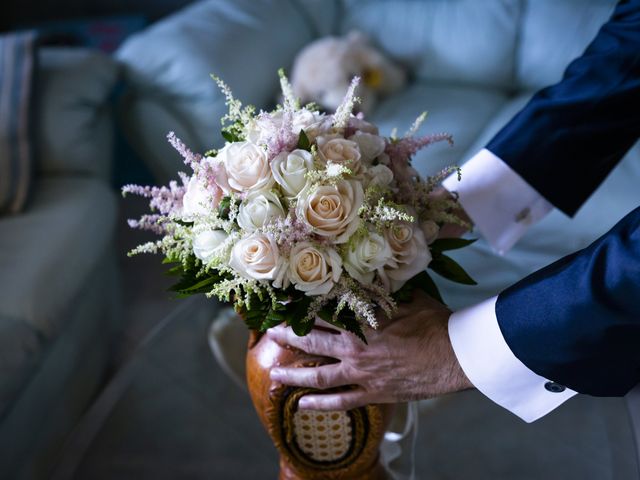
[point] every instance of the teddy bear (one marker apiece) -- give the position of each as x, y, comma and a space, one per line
323, 70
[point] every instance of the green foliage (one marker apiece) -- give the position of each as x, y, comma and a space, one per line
303, 141
422, 281
230, 134
444, 244
448, 268
345, 320
224, 208
190, 282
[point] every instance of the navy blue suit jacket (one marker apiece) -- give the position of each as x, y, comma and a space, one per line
577, 321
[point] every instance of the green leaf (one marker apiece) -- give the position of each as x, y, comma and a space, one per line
303, 141
224, 207
450, 269
426, 283
444, 244
229, 136
296, 314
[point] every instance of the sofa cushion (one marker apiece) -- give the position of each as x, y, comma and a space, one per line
74, 129
552, 34
458, 110
46, 255
46, 251
168, 69
554, 236
459, 41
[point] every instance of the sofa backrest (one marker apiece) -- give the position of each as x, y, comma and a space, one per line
552, 33
168, 69
516, 44
503, 45
74, 128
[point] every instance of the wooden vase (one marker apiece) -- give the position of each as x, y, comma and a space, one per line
313, 445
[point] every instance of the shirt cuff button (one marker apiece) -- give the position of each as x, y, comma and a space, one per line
554, 387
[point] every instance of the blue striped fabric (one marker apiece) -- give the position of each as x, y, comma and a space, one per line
16, 78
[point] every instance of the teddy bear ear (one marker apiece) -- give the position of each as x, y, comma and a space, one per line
357, 38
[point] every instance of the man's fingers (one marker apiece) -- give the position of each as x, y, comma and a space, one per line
325, 376
316, 342
334, 401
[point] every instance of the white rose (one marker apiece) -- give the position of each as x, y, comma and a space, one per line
197, 199
313, 270
258, 209
319, 128
256, 257
207, 243
332, 210
247, 166
370, 146
364, 257
303, 119
289, 171
379, 175
410, 254
265, 126
341, 151
360, 125
430, 229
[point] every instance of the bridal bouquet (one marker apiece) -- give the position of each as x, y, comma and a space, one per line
301, 215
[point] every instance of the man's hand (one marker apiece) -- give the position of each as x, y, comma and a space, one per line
408, 358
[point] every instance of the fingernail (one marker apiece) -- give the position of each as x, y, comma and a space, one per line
304, 404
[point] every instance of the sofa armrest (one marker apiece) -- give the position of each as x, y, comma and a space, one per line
168, 67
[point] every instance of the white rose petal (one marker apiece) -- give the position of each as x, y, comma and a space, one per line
258, 209
256, 257
430, 230
379, 175
332, 210
364, 257
410, 254
246, 166
206, 244
341, 151
370, 146
313, 270
289, 170
197, 199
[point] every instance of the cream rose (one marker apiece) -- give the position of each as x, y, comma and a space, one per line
361, 125
313, 270
370, 146
289, 170
246, 166
379, 175
207, 244
410, 254
258, 209
197, 200
430, 230
341, 151
332, 210
256, 257
367, 255
265, 126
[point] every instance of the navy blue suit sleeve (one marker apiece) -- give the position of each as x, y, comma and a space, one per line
569, 137
577, 321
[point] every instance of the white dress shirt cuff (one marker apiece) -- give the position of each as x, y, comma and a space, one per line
500, 203
493, 369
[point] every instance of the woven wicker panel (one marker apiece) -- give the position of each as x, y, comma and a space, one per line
323, 436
